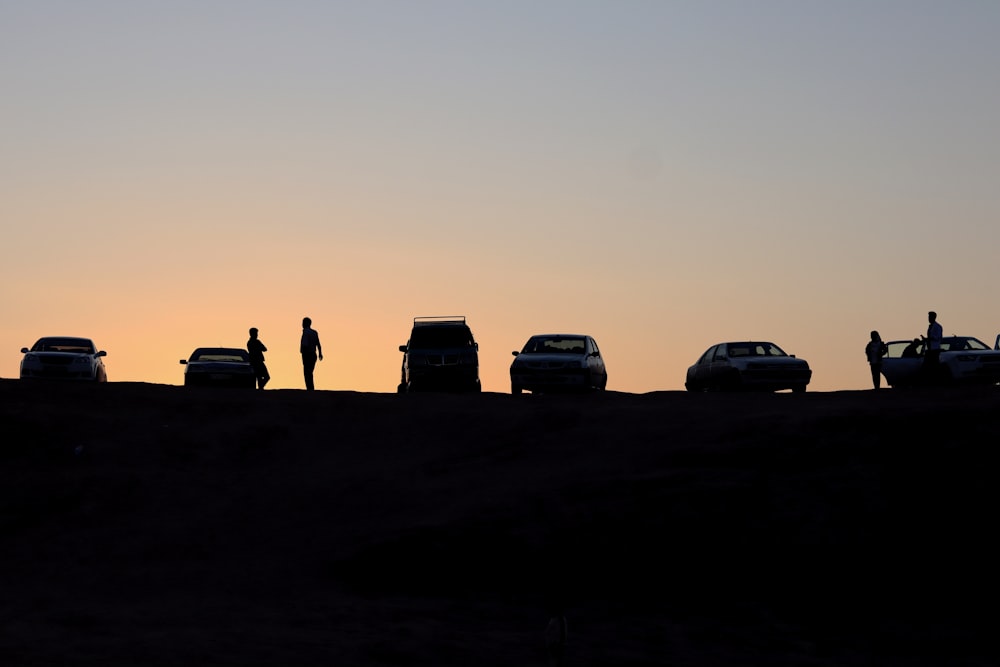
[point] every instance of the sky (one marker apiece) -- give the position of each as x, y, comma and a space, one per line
662, 175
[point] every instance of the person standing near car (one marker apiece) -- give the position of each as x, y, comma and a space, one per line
257, 349
311, 351
932, 345
874, 351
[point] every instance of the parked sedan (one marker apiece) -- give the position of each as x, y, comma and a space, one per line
554, 362
963, 360
64, 358
747, 365
219, 367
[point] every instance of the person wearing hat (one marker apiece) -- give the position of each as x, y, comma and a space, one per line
257, 350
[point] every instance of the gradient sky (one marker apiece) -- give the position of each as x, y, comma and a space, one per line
662, 175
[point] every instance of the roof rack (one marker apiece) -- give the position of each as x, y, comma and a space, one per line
439, 319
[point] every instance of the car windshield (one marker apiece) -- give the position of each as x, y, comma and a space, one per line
958, 343
78, 345
754, 350
438, 337
220, 354
555, 345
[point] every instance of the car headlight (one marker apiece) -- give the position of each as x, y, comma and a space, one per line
81, 360
31, 357
574, 364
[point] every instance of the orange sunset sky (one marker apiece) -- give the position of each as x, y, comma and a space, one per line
660, 175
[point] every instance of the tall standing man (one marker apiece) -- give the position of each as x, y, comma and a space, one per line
311, 350
932, 346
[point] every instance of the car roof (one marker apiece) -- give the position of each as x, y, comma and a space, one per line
560, 336
68, 339
943, 338
440, 321
747, 342
219, 350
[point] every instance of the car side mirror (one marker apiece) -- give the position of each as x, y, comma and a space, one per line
402, 348
25, 350
184, 361
515, 353
102, 353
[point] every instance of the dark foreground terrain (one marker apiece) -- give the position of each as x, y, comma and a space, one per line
149, 525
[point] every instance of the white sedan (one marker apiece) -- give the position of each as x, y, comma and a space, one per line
963, 360
747, 366
63, 358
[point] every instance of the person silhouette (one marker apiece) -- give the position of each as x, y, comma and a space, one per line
257, 349
311, 351
932, 346
874, 351
912, 350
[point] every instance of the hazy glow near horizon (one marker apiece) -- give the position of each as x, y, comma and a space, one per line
660, 175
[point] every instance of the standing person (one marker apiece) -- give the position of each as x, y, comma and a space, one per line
310, 348
257, 349
874, 351
932, 345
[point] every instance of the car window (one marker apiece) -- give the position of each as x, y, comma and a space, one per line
956, 344
220, 355
434, 337
63, 345
562, 345
895, 349
593, 347
770, 350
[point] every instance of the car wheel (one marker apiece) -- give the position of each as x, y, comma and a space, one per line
799, 389
516, 389
400, 388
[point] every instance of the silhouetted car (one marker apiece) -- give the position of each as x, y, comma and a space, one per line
219, 367
441, 355
64, 358
558, 362
962, 360
747, 365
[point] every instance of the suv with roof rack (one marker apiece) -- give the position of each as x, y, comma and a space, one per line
441, 355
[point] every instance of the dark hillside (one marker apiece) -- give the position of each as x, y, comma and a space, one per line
157, 525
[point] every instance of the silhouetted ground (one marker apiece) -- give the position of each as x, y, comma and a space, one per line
149, 525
